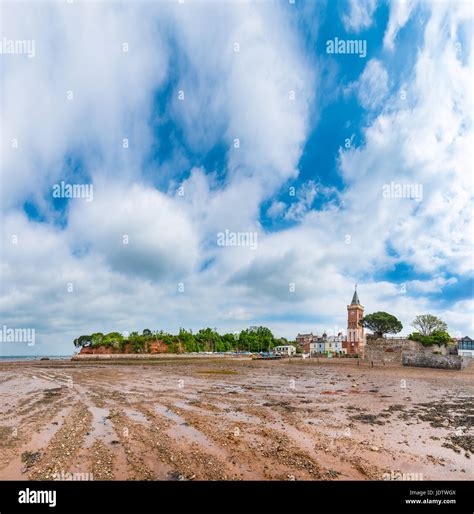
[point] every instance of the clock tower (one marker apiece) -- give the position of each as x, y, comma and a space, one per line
355, 333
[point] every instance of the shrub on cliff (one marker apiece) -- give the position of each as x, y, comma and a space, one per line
83, 341
113, 339
437, 337
97, 339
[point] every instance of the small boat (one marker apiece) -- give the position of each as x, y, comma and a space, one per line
266, 357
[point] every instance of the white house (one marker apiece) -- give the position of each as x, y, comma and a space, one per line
319, 345
287, 349
334, 344
466, 347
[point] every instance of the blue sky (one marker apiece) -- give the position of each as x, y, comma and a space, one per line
233, 118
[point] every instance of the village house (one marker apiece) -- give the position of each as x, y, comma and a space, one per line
312, 344
334, 345
306, 342
321, 345
466, 347
287, 349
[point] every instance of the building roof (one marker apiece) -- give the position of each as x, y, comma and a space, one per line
355, 299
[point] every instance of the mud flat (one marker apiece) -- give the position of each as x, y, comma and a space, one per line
224, 419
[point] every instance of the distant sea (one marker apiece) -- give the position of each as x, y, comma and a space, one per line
33, 357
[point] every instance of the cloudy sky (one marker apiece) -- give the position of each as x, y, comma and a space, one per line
193, 119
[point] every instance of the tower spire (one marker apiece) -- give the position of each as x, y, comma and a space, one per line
355, 297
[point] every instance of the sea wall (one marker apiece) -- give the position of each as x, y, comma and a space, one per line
389, 350
392, 349
426, 360
149, 356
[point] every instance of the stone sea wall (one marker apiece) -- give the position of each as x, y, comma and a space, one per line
426, 360
393, 350
147, 356
390, 350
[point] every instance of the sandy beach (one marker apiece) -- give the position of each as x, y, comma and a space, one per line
234, 419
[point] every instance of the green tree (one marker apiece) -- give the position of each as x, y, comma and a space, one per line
186, 340
265, 338
97, 339
208, 340
137, 341
425, 340
113, 339
83, 341
381, 323
440, 337
229, 343
256, 339
436, 337
248, 341
172, 342
427, 324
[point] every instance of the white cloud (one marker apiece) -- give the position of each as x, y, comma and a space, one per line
372, 86
400, 11
425, 140
140, 232
360, 15
260, 94
430, 286
276, 209
112, 92
306, 195
460, 317
242, 95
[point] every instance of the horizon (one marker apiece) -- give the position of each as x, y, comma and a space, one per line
127, 334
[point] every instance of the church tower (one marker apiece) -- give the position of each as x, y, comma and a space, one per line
355, 333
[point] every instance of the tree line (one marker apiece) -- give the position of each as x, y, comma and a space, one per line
430, 329
253, 339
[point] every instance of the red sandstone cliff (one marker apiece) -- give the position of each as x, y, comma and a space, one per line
153, 347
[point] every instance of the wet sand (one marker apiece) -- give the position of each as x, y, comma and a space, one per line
230, 419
